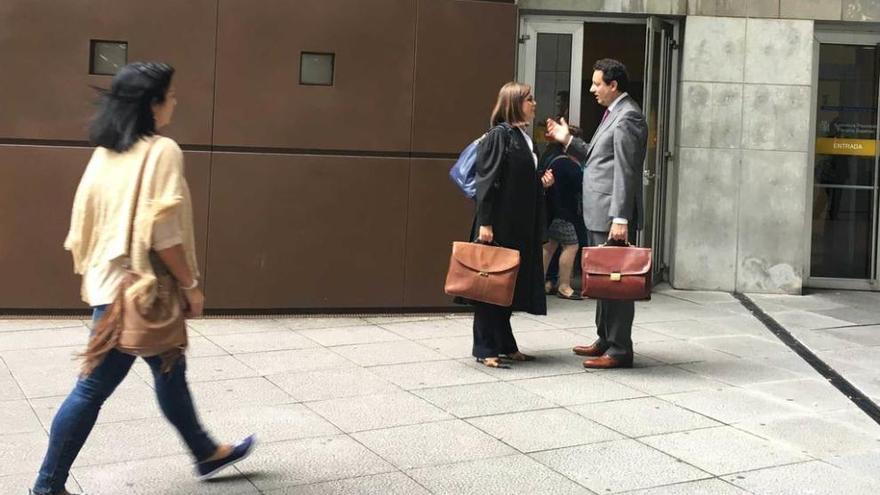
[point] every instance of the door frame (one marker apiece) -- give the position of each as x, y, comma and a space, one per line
837, 37
524, 67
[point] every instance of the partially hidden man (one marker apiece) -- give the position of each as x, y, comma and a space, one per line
612, 195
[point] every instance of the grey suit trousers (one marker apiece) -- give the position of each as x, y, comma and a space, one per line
613, 318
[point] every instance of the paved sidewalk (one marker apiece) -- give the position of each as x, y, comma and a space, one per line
395, 405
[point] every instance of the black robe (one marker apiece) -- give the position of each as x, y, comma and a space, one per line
510, 198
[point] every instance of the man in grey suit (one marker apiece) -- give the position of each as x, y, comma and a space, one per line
612, 197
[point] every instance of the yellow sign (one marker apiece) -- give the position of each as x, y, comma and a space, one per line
852, 147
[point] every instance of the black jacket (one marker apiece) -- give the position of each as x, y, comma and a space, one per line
510, 198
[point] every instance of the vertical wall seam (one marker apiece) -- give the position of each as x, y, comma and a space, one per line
739, 182
409, 171
211, 154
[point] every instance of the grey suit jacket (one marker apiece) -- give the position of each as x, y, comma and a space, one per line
614, 159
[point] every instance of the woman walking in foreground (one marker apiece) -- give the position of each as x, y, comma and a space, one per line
132, 215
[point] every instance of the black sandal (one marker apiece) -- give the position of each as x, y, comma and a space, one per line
518, 356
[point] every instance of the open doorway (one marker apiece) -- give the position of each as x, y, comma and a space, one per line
556, 57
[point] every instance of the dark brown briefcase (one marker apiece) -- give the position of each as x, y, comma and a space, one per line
616, 272
482, 272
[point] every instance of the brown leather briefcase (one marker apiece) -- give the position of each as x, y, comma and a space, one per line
616, 272
481, 272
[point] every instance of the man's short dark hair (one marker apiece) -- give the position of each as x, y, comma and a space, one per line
613, 70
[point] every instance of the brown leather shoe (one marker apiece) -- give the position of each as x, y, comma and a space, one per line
606, 362
591, 350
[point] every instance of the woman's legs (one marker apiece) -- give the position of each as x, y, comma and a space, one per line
485, 345
176, 402
549, 250
75, 418
566, 265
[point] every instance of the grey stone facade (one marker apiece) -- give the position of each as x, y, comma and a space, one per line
824, 10
743, 154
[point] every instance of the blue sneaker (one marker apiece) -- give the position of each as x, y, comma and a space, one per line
206, 470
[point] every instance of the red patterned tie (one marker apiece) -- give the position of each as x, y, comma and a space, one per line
604, 116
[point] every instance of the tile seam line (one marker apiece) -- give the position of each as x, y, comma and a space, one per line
844, 386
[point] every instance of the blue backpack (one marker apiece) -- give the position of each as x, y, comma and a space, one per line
464, 172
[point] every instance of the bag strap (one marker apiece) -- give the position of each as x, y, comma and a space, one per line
137, 195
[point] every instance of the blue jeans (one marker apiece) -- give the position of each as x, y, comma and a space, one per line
77, 415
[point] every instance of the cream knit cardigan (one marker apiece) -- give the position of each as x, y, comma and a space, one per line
102, 208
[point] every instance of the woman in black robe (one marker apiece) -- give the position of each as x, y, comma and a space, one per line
510, 213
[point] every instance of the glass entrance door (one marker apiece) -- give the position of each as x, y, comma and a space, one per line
552, 54
659, 51
843, 242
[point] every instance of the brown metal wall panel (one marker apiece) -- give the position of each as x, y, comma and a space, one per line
466, 52
438, 214
260, 101
198, 176
291, 231
45, 78
37, 185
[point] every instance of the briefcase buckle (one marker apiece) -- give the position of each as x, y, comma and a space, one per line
615, 277
484, 274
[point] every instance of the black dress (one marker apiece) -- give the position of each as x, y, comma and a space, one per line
510, 198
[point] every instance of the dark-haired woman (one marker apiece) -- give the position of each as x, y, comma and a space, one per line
140, 102
510, 213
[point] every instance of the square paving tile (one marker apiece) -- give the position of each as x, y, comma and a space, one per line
262, 342
16, 416
677, 352
686, 329
864, 335
377, 411
618, 466
532, 431
583, 388
866, 464
498, 476
385, 484
205, 369
270, 423
807, 319
643, 416
733, 404
813, 394
744, 346
703, 487
270, 363
740, 372
9, 389
724, 450
44, 372
380, 353
241, 392
319, 321
431, 374
202, 347
210, 327
432, 329
815, 435
173, 474
313, 460
482, 399
451, 347
804, 478
442, 442
332, 384
660, 380
20, 324
366, 334
22, 453
40, 339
